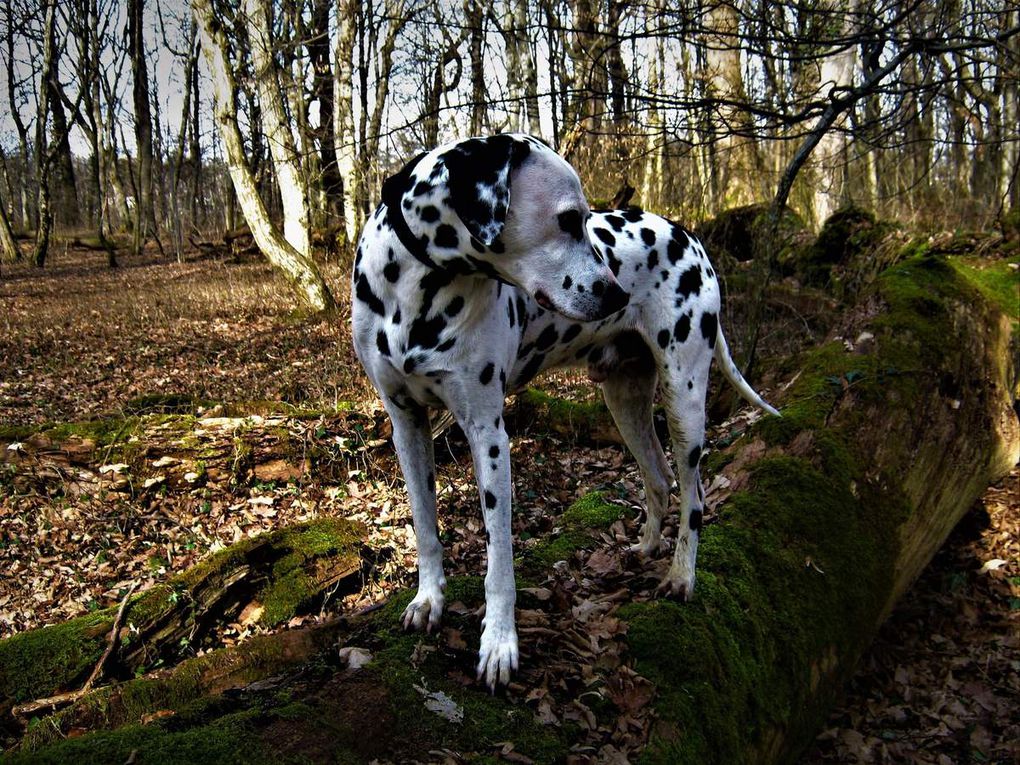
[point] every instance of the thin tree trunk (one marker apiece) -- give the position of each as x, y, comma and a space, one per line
297, 266
9, 251
346, 143
43, 155
144, 214
475, 20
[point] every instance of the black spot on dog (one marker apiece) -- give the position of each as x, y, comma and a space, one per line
490, 499
606, 236
430, 213
530, 369
486, 375
648, 236
709, 324
363, 291
422, 187
711, 273
682, 328
572, 331
502, 378
547, 338
580, 289
690, 282
494, 451
694, 457
690, 385
598, 288
510, 312
410, 363
567, 282
663, 338
653, 259
570, 222
675, 251
424, 333
476, 245
614, 262
382, 343
396, 317
446, 236
392, 272
446, 345
615, 221
455, 306
696, 518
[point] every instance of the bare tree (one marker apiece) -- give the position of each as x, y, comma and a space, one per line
296, 265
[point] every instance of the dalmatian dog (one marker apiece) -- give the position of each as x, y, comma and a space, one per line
482, 267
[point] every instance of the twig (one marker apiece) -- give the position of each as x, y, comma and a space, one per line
62, 699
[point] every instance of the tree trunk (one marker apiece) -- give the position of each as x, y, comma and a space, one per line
343, 114
296, 220
298, 267
9, 251
145, 221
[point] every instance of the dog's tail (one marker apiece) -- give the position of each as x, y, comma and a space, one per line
729, 369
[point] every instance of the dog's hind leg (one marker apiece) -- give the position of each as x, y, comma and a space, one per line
684, 398
630, 398
412, 439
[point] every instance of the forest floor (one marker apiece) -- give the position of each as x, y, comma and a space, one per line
155, 412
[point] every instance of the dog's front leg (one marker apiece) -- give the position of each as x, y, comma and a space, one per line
490, 447
412, 438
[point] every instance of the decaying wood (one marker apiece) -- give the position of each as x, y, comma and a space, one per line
274, 575
24, 711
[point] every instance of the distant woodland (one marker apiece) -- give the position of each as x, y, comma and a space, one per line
172, 124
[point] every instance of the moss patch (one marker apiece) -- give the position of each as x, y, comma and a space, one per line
577, 525
226, 740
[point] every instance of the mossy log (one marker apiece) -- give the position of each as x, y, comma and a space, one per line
274, 576
889, 434
887, 438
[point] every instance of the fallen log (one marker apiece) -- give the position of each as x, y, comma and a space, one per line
889, 434
274, 576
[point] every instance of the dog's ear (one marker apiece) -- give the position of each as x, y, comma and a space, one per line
478, 179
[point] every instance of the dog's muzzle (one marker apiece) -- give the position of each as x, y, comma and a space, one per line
614, 299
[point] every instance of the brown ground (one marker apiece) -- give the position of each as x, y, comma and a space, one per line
940, 685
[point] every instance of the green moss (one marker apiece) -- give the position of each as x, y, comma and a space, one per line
997, 280
592, 511
41, 662
564, 414
229, 739
758, 621
577, 525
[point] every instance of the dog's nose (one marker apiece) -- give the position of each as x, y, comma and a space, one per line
614, 299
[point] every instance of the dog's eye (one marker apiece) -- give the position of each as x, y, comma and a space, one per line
570, 221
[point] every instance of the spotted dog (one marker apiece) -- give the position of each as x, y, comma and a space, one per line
463, 294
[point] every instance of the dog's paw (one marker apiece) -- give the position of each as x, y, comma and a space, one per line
497, 656
646, 549
424, 612
674, 588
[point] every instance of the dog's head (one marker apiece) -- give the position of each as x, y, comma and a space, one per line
523, 207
